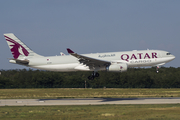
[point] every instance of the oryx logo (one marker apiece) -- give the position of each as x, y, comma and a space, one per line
16, 48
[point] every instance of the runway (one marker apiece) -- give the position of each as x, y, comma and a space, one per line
87, 101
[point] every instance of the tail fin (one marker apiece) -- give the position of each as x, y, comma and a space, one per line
19, 49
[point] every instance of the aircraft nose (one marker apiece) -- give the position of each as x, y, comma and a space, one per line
173, 57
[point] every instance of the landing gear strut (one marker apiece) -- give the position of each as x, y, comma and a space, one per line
94, 74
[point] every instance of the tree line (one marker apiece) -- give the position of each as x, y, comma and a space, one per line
133, 78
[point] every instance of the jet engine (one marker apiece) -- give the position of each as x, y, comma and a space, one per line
122, 67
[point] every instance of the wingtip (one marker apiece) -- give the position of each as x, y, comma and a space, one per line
69, 51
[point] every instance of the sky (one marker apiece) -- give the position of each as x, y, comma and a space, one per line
48, 27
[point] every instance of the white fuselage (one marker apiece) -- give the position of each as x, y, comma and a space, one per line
111, 61
131, 58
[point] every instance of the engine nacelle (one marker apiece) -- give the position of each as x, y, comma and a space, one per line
117, 67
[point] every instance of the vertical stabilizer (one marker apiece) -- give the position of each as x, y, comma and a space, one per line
18, 49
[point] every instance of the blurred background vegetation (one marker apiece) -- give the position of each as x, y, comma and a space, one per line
133, 78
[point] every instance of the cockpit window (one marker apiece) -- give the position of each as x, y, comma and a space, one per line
168, 53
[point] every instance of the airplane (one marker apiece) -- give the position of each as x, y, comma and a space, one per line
109, 61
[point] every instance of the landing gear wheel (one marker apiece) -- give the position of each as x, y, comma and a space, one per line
94, 74
97, 75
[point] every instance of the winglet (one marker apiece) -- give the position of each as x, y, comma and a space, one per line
69, 51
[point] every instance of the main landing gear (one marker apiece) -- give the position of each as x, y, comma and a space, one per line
94, 74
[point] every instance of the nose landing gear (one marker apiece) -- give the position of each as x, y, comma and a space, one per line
94, 74
157, 69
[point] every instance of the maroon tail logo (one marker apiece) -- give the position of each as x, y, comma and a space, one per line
16, 48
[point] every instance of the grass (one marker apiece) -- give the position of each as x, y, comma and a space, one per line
55, 93
99, 112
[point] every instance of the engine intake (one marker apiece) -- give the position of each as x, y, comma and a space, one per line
117, 67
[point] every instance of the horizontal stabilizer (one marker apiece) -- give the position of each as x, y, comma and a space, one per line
17, 61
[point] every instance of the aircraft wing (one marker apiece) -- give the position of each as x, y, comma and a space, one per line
91, 62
